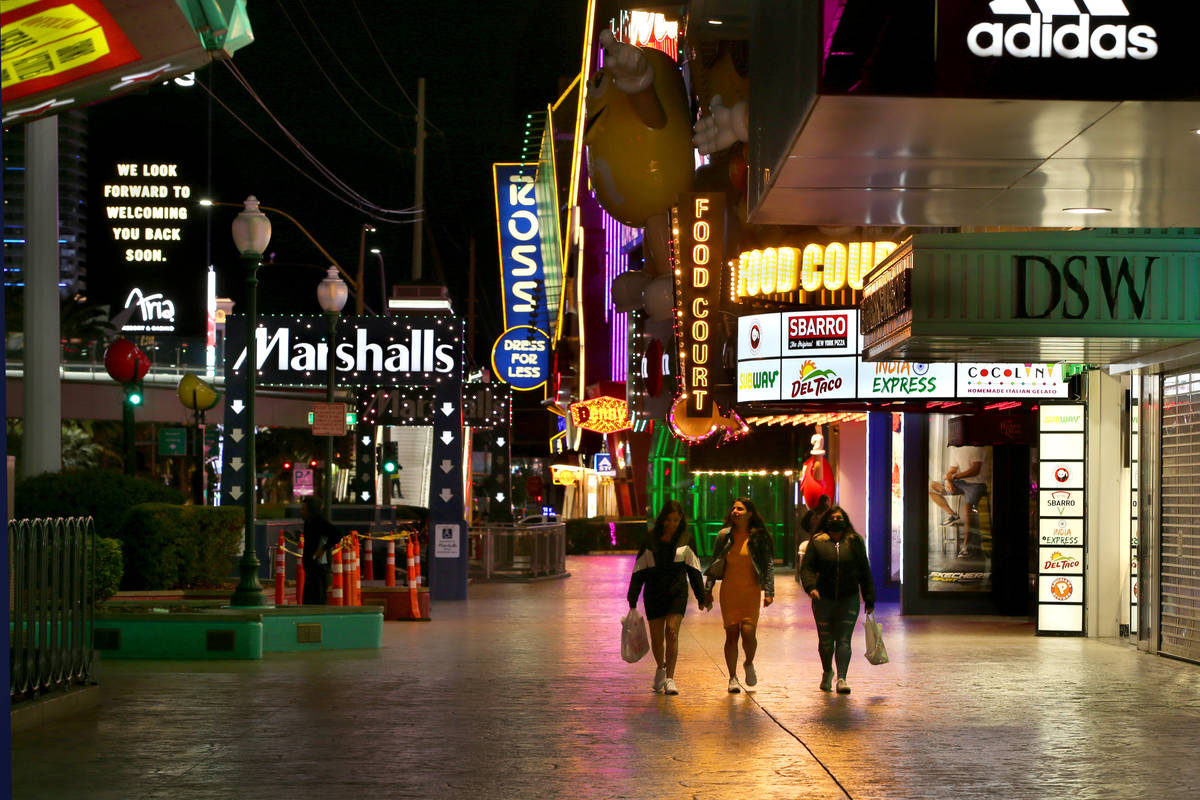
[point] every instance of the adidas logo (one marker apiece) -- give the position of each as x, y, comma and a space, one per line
1041, 37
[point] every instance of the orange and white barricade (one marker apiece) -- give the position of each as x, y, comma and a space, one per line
414, 603
336, 599
417, 559
368, 568
389, 575
300, 574
280, 573
356, 572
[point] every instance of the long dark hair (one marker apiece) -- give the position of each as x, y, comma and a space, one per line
823, 525
756, 522
681, 533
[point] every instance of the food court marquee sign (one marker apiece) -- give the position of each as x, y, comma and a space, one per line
816, 355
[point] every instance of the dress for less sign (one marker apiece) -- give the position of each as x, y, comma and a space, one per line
815, 355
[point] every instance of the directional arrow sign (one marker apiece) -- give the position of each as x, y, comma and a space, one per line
235, 463
446, 495
499, 497
447, 465
366, 440
237, 406
447, 409
236, 492
500, 440
366, 496
236, 434
447, 437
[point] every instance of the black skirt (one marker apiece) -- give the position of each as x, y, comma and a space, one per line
665, 592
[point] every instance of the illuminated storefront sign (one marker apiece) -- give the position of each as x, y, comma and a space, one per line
521, 357
601, 414
1061, 525
816, 355
813, 268
1103, 31
698, 224
155, 313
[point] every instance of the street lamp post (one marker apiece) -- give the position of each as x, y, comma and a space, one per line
332, 293
251, 235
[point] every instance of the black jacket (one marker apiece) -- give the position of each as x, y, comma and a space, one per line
660, 563
838, 569
762, 556
319, 534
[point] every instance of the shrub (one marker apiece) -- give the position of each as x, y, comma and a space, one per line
107, 569
179, 547
104, 495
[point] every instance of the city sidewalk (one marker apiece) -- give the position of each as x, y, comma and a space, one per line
520, 692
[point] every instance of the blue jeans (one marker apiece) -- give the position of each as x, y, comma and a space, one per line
835, 625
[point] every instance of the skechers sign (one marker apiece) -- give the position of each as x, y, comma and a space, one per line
370, 351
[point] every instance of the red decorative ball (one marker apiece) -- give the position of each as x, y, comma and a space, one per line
125, 361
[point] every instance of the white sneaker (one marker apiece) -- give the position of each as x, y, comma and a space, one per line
669, 687
751, 675
660, 677
842, 686
734, 686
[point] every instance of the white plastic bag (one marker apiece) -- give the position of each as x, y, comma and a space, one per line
876, 652
635, 641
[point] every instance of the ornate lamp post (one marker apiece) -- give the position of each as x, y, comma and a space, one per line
251, 235
332, 294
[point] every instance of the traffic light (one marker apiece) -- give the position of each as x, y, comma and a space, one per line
287, 465
389, 458
133, 393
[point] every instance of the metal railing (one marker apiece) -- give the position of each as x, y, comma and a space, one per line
509, 551
50, 604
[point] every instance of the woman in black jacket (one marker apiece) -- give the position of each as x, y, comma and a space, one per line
665, 565
834, 570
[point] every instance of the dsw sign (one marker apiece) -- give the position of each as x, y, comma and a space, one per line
1070, 289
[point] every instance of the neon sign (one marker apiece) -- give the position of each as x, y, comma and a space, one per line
157, 312
699, 228
601, 415
813, 268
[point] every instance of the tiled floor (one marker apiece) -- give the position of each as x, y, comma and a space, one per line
520, 693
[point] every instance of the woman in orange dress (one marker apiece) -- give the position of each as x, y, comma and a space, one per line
744, 562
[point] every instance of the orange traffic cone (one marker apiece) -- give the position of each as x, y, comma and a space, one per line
280, 574
336, 600
389, 575
368, 561
300, 574
413, 576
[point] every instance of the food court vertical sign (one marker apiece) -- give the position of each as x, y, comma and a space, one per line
698, 234
1062, 532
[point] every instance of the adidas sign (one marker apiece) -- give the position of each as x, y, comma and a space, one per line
1041, 35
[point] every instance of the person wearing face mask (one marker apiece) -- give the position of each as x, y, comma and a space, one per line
834, 571
665, 565
744, 562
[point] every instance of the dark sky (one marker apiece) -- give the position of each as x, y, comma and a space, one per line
486, 65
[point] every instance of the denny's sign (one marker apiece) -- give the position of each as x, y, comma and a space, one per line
1097, 297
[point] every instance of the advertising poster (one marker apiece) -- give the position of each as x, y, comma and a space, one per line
960, 514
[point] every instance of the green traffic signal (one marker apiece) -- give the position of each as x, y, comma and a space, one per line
389, 467
133, 395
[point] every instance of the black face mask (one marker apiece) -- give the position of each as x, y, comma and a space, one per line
837, 525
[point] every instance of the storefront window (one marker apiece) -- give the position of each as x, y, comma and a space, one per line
960, 515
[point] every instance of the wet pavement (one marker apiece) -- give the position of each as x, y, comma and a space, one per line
520, 692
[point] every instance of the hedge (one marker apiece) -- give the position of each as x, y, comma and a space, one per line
106, 569
179, 547
104, 495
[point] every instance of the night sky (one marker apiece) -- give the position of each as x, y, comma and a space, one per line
486, 66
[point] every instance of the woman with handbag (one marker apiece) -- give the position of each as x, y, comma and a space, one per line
666, 564
834, 571
744, 562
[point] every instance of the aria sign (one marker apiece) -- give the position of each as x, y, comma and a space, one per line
156, 314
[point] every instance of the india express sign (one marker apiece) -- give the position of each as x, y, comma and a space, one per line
815, 355
521, 355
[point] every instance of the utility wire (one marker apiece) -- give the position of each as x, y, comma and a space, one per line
386, 66
333, 85
307, 174
312, 159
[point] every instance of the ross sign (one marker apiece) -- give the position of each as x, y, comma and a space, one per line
172, 441
302, 481
601, 414
522, 270
604, 464
446, 541
698, 223
370, 351
521, 357
329, 419
1094, 297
